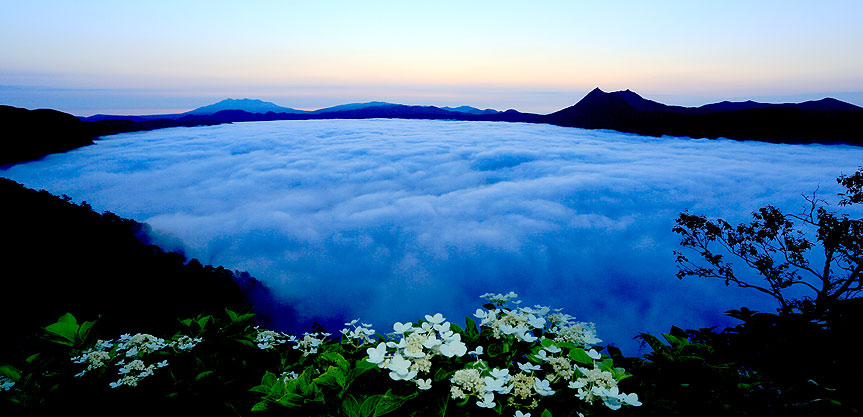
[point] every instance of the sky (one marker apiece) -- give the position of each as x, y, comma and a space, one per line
389, 220
88, 57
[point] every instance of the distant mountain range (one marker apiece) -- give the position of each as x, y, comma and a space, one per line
30, 134
251, 106
825, 121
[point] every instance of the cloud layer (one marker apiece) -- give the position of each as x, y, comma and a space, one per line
392, 219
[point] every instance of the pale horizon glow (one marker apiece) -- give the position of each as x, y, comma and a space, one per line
92, 57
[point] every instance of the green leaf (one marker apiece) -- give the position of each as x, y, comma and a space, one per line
471, 327
360, 367
332, 377
290, 400
565, 345
66, 327
202, 322
547, 342
675, 341
606, 365
351, 407
304, 384
580, 356
390, 403
545, 413
269, 379
203, 375
231, 314
261, 406
653, 342
370, 405
495, 350
84, 330
10, 372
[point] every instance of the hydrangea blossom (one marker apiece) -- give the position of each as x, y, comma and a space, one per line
361, 333
310, 342
268, 339
532, 381
409, 354
132, 352
6, 383
416, 348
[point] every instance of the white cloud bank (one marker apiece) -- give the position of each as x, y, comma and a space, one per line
392, 219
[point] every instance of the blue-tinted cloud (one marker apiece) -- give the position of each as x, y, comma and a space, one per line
391, 219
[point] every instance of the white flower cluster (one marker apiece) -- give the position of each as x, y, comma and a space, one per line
531, 381
566, 329
6, 383
416, 348
520, 322
132, 348
134, 371
310, 342
524, 387
361, 333
500, 299
595, 384
268, 339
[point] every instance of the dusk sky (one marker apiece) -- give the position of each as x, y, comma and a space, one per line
87, 57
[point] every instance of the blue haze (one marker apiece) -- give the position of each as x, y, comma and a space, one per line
388, 220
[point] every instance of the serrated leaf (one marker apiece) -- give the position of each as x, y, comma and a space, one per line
367, 409
350, 406
390, 403
269, 379
332, 377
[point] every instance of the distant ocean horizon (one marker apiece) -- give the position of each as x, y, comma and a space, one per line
388, 220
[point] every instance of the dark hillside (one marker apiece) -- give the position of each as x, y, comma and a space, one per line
26, 135
31, 134
62, 257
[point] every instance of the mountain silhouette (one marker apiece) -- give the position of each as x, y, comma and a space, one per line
825, 121
31, 134
244, 104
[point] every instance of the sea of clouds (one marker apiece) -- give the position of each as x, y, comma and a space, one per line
388, 220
